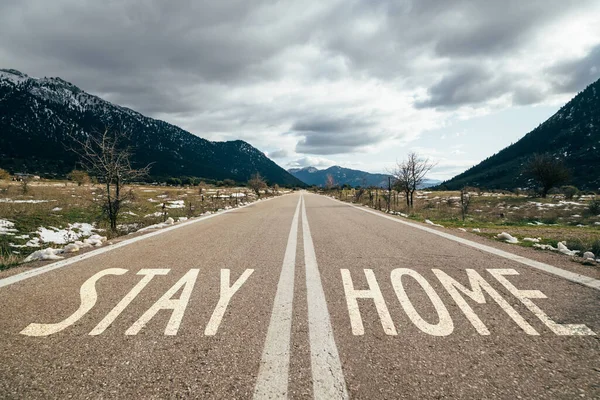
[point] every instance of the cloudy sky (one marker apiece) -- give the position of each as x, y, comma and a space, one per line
357, 83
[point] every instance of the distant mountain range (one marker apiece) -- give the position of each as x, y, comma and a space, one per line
572, 135
37, 115
345, 176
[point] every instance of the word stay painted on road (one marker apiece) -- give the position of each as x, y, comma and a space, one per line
89, 297
457, 291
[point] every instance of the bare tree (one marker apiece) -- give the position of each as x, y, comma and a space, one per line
409, 175
388, 198
465, 200
329, 182
105, 156
547, 172
358, 194
257, 183
25, 184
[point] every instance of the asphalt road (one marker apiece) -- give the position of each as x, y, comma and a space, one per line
301, 297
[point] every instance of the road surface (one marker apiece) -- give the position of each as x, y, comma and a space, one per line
301, 297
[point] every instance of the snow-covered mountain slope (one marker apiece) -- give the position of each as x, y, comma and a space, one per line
38, 114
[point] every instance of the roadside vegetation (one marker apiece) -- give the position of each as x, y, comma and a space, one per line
573, 219
52, 213
547, 217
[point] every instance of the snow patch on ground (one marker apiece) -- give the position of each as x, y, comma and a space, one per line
170, 221
534, 240
53, 254
7, 228
42, 255
63, 236
176, 204
561, 248
507, 237
24, 201
428, 222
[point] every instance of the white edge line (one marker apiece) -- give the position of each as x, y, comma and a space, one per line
568, 275
71, 260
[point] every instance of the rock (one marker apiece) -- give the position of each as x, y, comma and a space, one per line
588, 255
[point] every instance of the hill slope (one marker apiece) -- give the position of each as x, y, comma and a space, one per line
36, 116
343, 176
572, 134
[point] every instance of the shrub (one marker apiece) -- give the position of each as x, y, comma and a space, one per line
569, 191
594, 207
4, 175
550, 218
595, 248
576, 244
174, 182
79, 176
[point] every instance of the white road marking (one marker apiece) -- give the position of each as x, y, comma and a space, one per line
71, 260
372, 293
115, 312
328, 378
525, 295
89, 296
568, 275
478, 285
167, 303
476, 294
272, 380
445, 326
227, 293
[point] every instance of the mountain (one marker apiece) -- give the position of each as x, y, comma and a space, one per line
37, 116
342, 176
572, 134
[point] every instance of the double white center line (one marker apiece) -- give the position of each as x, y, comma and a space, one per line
327, 376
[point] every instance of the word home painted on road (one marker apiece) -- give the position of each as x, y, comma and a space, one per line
457, 291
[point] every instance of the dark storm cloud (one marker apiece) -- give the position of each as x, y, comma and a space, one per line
324, 136
575, 75
469, 85
281, 153
224, 66
141, 52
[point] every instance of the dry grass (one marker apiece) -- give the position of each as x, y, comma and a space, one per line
61, 202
